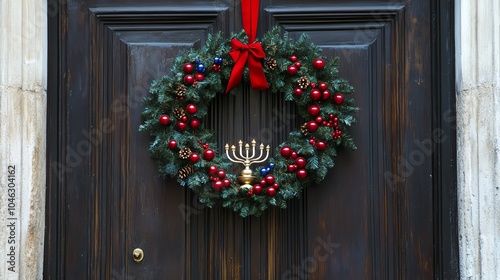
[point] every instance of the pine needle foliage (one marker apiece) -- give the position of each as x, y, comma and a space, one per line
164, 98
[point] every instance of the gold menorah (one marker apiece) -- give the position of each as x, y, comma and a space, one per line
247, 177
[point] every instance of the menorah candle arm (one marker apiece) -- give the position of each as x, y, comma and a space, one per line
262, 160
253, 151
237, 159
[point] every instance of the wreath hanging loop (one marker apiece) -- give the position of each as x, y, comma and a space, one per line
186, 150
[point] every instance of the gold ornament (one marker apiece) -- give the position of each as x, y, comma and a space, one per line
303, 82
184, 153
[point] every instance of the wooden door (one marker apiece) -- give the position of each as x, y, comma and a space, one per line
379, 214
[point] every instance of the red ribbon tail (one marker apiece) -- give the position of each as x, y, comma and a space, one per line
237, 72
258, 79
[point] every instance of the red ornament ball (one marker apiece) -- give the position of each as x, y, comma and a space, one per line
319, 63
226, 182
221, 174
164, 119
218, 185
212, 170
315, 94
191, 109
194, 157
294, 155
338, 98
326, 95
188, 68
181, 125
208, 154
286, 151
194, 123
313, 110
293, 58
312, 126
271, 191
319, 119
297, 91
301, 173
263, 182
321, 145
269, 179
300, 162
292, 69
189, 79
322, 86
291, 168
257, 189
199, 77
172, 144
298, 64
276, 185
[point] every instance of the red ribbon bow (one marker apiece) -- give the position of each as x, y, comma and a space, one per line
250, 53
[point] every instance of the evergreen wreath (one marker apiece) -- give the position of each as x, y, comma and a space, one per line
186, 150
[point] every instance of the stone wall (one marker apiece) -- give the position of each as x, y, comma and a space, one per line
478, 149
23, 107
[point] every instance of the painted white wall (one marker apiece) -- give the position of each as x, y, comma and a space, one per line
23, 64
478, 150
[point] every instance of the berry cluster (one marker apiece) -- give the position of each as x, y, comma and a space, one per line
295, 163
268, 183
217, 66
218, 178
311, 126
294, 67
189, 68
185, 120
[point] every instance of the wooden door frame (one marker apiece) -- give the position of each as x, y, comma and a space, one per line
445, 211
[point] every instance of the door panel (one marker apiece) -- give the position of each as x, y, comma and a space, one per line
357, 224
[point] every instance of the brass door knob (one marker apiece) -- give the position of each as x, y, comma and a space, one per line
138, 255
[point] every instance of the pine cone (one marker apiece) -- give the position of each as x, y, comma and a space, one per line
270, 63
303, 129
180, 92
185, 171
179, 113
184, 153
303, 82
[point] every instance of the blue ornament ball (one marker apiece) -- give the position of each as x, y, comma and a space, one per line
271, 165
263, 171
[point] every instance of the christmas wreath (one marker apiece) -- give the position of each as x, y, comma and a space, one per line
185, 149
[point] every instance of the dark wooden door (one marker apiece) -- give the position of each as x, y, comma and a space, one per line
377, 215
